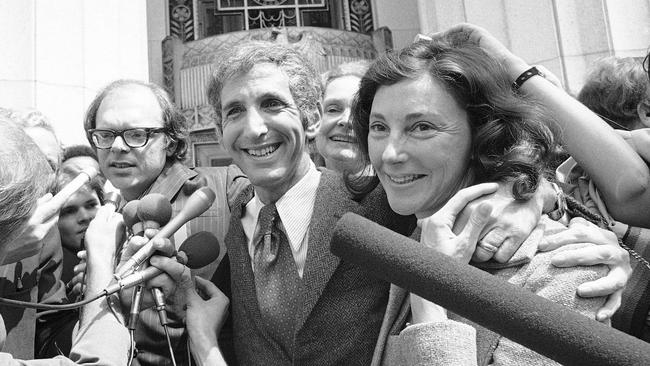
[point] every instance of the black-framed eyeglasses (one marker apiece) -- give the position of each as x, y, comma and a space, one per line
132, 137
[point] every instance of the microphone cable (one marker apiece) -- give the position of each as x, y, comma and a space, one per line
159, 300
31, 305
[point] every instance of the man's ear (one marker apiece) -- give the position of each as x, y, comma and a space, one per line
171, 146
314, 123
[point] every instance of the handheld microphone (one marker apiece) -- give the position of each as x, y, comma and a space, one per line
150, 212
532, 321
82, 178
112, 198
200, 248
130, 216
196, 204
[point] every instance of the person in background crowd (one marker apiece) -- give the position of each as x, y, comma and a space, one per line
617, 89
335, 140
39, 128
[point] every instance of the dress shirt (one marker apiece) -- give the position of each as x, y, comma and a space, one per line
295, 208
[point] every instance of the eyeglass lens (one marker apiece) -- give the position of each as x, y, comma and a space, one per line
132, 137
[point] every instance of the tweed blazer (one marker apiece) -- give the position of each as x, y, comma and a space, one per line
342, 306
459, 341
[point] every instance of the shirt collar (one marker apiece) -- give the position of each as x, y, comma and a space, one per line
171, 180
295, 207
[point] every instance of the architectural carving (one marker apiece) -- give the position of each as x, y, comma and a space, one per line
181, 19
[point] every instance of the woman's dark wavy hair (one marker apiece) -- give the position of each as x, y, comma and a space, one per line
510, 141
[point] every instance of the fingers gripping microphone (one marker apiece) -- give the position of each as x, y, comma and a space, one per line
200, 248
539, 324
150, 212
196, 204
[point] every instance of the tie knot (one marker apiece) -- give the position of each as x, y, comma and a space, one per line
266, 218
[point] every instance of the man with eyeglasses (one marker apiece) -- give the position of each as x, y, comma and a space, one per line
141, 140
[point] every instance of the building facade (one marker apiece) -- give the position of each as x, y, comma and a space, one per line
57, 54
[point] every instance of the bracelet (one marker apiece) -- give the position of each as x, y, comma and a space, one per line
525, 76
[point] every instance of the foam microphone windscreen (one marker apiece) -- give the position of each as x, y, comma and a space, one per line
130, 216
534, 322
155, 207
201, 248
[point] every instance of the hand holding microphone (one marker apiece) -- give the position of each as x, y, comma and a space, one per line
104, 234
197, 203
45, 217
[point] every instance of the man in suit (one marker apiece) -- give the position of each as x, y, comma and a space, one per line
324, 310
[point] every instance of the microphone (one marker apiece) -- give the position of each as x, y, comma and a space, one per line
112, 198
537, 323
154, 211
82, 178
130, 216
196, 204
200, 248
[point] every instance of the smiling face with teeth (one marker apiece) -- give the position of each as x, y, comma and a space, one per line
419, 144
335, 140
263, 130
132, 170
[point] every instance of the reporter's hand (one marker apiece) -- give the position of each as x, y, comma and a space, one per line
104, 234
161, 246
43, 220
437, 230
607, 251
207, 310
471, 33
509, 224
77, 287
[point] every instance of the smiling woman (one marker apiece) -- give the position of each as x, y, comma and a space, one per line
335, 140
433, 119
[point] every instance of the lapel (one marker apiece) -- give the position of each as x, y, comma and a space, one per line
242, 278
332, 201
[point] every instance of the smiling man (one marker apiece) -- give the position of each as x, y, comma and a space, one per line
141, 140
293, 302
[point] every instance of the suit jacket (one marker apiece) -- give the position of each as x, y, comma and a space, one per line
342, 306
459, 341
